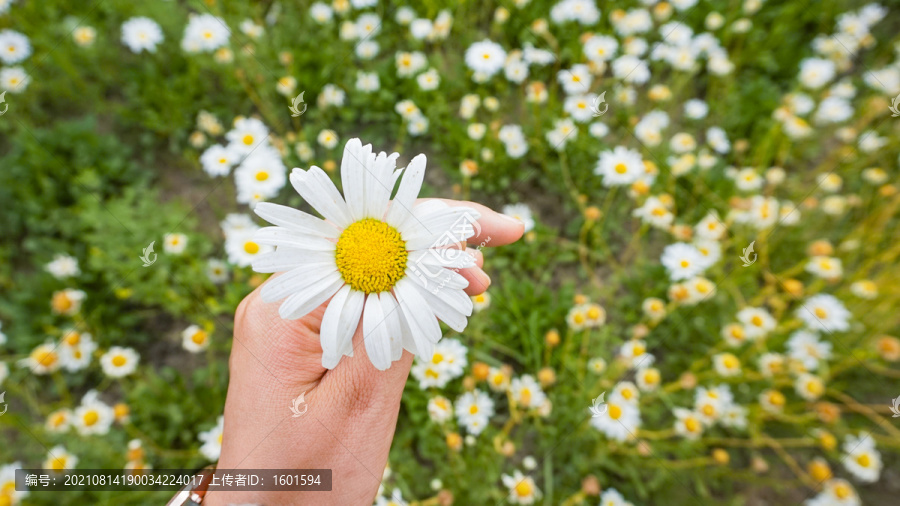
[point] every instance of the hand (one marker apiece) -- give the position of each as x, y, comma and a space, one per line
352, 409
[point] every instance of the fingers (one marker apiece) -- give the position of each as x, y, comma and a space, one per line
494, 229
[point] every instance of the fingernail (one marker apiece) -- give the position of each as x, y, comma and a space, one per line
511, 220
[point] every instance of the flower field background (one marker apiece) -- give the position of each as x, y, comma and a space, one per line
704, 308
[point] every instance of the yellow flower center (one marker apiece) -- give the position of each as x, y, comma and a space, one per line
119, 360
57, 419
821, 313
44, 357
615, 412
73, 338
58, 464
776, 399
842, 491
90, 418
692, 425
437, 358
248, 139
431, 373
621, 168
199, 337
525, 396
730, 362
756, 320
523, 489
864, 460
262, 175
685, 264
251, 247
708, 410
473, 409
371, 256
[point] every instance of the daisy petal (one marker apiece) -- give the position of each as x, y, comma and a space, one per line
375, 334
444, 311
410, 185
392, 319
285, 259
353, 172
295, 279
278, 236
303, 301
422, 322
317, 189
295, 220
332, 331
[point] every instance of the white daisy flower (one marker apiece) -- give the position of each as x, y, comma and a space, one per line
321, 13
824, 312
76, 350
93, 416
362, 256
440, 409
576, 80
242, 247
14, 79
8, 490
141, 34
527, 392
217, 160
217, 271
175, 244
119, 361
205, 33
522, 213
835, 492
43, 359
861, 458
262, 172
246, 136
726, 364
620, 421
619, 166
63, 266
612, 497
806, 347
212, 440
808, 386
367, 82
485, 57
682, 260
473, 410
194, 339
688, 423
757, 321
522, 489
14, 47
58, 459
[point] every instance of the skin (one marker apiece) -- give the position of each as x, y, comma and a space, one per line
352, 409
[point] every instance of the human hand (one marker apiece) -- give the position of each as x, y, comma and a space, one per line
353, 408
